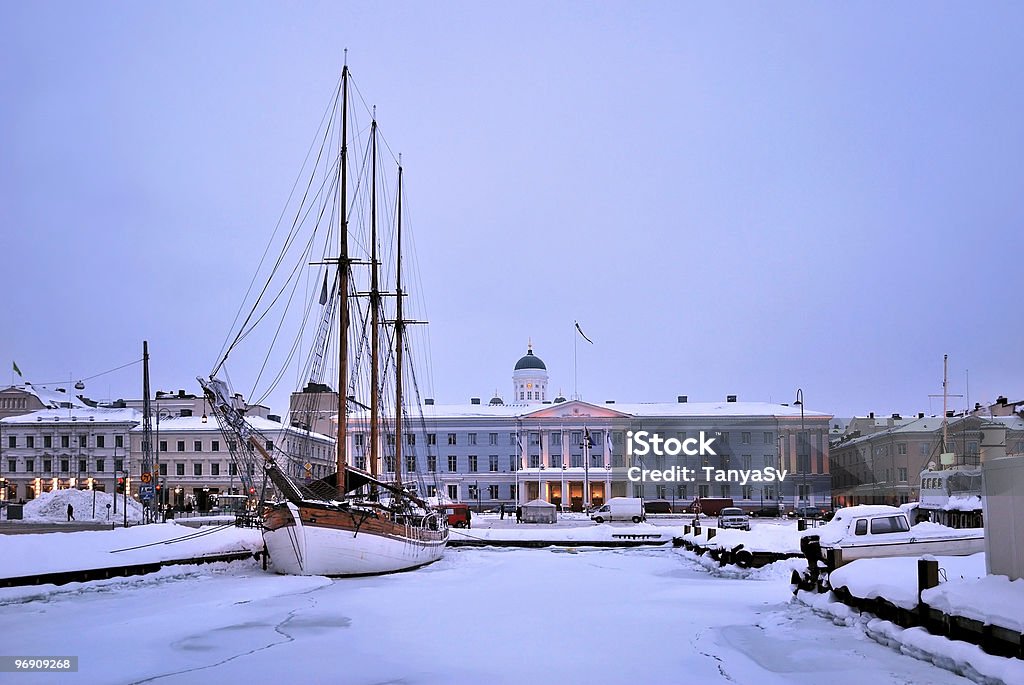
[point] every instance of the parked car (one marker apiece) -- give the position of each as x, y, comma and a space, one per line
808, 513
733, 517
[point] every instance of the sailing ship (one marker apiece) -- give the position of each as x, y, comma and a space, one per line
357, 520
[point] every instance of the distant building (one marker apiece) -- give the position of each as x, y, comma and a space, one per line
493, 453
884, 466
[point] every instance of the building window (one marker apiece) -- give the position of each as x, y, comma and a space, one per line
83, 441
12, 465
769, 437
99, 466
215, 446
512, 439
361, 462
82, 466
492, 492
431, 491
179, 468
410, 464
118, 441
702, 490
12, 441
522, 395
47, 441
232, 445
197, 469
389, 464
197, 445
232, 469
452, 439
492, 463
410, 439
215, 469
453, 492
432, 463
901, 448
534, 461
660, 492
181, 445
100, 441
65, 441
512, 491
748, 492
513, 462
30, 465
577, 461
473, 491
472, 438
453, 463
270, 445
472, 463
357, 439
431, 438
30, 441
65, 466
576, 438
163, 445
903, 475
492, 439
681, 491
745, 438
555, 439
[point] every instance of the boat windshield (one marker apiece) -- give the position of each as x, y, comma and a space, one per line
889, 524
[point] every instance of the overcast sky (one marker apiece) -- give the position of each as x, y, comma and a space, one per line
730, 198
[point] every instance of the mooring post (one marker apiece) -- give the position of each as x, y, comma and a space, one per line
927, 577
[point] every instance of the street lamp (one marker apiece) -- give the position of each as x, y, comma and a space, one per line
803, 471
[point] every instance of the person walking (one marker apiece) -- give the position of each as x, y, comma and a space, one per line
501, 510
71, 512
519, 514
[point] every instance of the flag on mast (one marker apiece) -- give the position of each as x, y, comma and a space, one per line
16, 369
582, 333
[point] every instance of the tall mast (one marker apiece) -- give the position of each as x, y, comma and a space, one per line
945, 397
343, 265
399, 331
374, 312
147, 426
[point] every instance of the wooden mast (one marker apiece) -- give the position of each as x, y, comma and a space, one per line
399, 331
374, 313
343, 314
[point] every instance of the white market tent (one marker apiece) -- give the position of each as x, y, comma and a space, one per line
539, 511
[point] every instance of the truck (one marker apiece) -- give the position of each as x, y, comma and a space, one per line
620, 509
710, 506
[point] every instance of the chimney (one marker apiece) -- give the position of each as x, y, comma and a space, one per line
950, 414
920, 414
181, 393
681, 399
1002, 400
429, 401
730, 398
897, 417
609, 401
474, 400
871, 415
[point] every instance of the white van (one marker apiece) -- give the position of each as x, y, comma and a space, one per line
620, 509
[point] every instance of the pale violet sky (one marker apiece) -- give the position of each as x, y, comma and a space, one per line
731, 198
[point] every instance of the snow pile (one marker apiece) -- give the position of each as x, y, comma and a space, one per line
963, 658
993, 600
963, 503
52, 507
894, 579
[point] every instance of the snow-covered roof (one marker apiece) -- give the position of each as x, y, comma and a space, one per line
639, 409
933, 423
193, 424
75, 416
50, 397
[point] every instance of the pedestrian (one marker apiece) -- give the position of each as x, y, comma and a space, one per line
519, 514
71, 512
188, 507
501, 510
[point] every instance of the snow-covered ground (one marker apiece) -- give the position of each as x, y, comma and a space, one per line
33, 554
895, 578
477, 616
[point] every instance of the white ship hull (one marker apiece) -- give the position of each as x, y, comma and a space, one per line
307, 549
963, 545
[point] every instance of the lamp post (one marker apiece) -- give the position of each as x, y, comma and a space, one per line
803, 471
